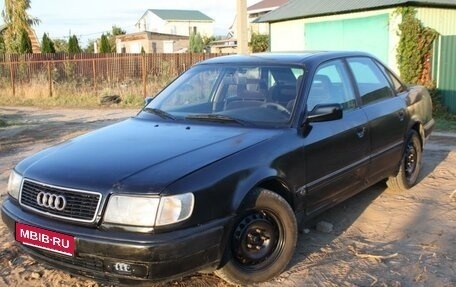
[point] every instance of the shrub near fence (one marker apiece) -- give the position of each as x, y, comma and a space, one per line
79, 78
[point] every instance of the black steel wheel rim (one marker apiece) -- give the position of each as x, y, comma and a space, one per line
410, 162
257, 240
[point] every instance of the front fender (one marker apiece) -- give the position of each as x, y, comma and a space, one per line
221, 187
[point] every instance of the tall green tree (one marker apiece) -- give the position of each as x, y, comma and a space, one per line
196, 44
18, 23
47, 46
105, 47
25, 44
73, 45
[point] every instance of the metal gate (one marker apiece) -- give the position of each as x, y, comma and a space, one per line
444, 70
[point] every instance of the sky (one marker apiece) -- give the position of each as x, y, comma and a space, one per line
88, 19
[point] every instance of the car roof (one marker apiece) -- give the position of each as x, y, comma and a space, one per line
301, 58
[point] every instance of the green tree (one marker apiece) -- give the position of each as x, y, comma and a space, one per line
105, 47
25, 44
207, 43
18, 23
90, 48
415, 48
259, 43
47, 46
116, 31
196, 44
208, 40
2, 45
73, 45
61, 46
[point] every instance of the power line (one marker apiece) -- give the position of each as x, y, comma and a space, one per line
92, 33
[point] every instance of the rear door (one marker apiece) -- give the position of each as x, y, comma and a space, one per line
385, 112
336, 152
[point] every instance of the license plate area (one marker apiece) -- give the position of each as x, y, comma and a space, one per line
45, 239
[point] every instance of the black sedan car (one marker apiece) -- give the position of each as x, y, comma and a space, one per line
220, 169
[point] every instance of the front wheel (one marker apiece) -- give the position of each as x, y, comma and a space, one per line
262, 241
410, 164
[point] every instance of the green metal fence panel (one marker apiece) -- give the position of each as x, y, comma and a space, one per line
446, 67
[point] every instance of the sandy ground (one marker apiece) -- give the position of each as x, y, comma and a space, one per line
380, 238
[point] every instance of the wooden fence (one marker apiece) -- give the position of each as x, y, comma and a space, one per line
94, 68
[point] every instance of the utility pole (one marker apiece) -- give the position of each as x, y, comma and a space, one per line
241, 27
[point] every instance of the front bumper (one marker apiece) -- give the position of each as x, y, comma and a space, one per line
152, 257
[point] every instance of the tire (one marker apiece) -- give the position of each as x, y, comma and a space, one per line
410, 166
262, 240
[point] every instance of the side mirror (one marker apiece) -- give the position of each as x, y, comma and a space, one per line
147, 100
325, 113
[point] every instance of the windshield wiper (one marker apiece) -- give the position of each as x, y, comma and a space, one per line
160, 113
216, 118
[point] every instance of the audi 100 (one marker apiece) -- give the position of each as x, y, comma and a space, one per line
220, 170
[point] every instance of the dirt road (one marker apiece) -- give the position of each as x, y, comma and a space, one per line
380, 238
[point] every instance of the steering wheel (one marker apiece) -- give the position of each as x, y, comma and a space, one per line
277, 107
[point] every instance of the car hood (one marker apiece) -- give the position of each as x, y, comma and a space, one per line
137, 155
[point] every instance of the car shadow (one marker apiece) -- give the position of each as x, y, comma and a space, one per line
313, 245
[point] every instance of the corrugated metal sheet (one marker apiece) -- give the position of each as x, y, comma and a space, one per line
266, 5
442, 20
446, 82
304, 9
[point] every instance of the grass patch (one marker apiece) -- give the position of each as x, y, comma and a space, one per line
444, 120
445, 123
76, 94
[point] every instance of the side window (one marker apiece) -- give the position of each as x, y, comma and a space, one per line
331, 85
395, 83
372, 84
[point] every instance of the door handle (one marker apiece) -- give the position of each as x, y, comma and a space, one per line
360, 132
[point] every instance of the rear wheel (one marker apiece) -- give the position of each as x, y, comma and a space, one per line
262, 241
410, 164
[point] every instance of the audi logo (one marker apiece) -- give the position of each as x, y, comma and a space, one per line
52, 201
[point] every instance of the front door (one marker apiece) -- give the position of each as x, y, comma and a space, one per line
336, 152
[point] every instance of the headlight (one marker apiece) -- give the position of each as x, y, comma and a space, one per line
148, 211
14, 184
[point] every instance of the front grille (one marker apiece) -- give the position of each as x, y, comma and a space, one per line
80, 206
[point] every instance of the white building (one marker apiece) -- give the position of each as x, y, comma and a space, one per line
176, 22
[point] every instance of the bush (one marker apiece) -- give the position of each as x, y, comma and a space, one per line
259, 43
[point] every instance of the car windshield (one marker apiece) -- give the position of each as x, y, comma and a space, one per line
239, 94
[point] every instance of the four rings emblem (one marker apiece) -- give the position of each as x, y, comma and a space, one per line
50, 200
